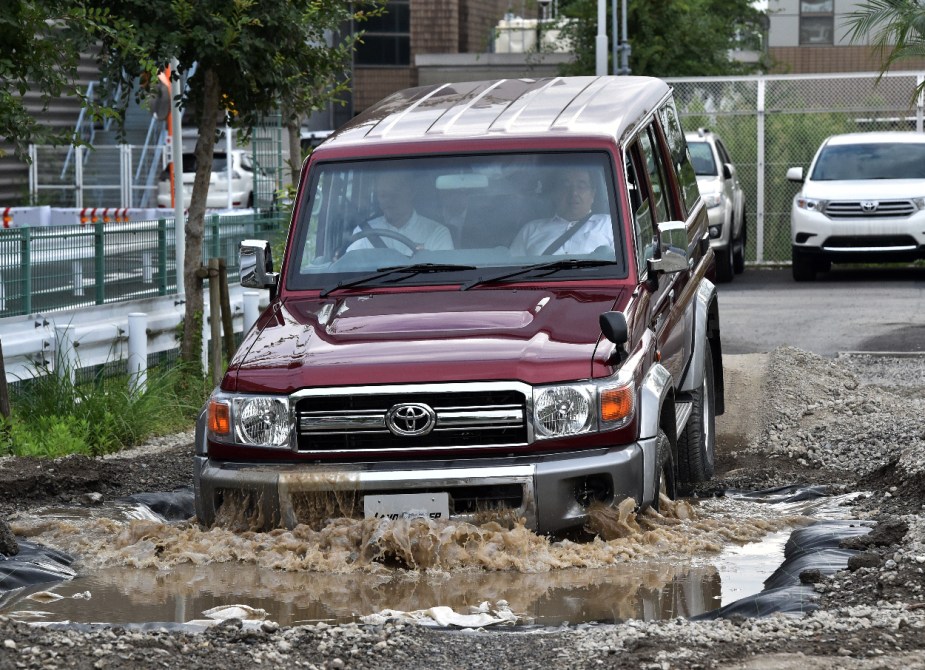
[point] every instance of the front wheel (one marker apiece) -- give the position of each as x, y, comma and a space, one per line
697, 443
738, 256
724, 264
804, 267
665, 475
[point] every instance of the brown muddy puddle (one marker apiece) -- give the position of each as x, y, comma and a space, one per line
135, 568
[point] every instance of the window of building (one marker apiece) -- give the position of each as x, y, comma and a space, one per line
817, 22
386, 38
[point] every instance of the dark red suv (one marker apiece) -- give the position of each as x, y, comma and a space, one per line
496, 298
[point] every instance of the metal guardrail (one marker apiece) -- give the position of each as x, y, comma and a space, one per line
99, 335
61, 267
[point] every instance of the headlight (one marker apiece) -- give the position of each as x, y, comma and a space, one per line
563, 410
812, 204
712, 200
919, 203
573, 409
259, 421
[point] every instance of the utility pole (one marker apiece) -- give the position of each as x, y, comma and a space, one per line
600, 45
624, 47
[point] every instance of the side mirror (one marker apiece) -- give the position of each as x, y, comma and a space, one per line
795, 174
256, 265
728, 171
673, 255
613, 325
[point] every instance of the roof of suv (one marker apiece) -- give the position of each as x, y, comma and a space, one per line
599, 106
878, 137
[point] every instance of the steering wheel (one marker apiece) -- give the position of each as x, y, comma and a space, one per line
379, 232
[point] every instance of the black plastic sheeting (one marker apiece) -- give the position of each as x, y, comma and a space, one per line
782, 494
34, 564
814, 547
173, 506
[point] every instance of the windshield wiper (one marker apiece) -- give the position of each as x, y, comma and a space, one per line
543, 268
405, 270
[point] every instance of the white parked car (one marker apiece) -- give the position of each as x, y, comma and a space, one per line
239, 180
862, 200
722, 193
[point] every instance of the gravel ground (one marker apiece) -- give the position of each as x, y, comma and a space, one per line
849, 424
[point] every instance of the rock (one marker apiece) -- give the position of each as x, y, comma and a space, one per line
865, 559
810, 576
8, 544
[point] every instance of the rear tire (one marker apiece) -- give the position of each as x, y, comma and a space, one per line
804, 267
697, 443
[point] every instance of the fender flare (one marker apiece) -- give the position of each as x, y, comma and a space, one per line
655, 397
706, 333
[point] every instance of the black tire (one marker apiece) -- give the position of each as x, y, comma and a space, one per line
697, 442
724, 270
738, 255
665, 474
804, 267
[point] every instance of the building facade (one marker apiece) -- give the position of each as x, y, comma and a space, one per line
813, 36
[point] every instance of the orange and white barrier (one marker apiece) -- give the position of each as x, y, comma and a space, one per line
25, 217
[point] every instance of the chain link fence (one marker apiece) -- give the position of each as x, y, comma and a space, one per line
772, 123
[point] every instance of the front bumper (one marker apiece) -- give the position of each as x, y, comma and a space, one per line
868, 239
551, 492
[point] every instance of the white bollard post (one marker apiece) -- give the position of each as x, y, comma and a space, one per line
65, 354
251, 309
137, 352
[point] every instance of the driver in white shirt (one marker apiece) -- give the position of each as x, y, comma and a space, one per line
574, 194
395, 195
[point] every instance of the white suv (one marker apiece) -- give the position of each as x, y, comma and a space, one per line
238, 180
722, 193
863, 200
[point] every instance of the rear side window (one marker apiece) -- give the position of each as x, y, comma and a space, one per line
680, 158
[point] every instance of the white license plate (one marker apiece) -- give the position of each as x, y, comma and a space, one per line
407, 506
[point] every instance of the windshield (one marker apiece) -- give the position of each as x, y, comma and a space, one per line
451, 217
887, 160
702, 158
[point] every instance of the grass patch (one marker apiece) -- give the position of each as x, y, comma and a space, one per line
54, 416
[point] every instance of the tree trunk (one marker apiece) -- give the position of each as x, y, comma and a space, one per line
294, 127
191, 346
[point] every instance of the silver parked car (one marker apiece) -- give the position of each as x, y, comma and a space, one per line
725, 201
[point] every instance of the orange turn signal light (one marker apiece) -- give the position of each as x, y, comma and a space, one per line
219, 418
616, 404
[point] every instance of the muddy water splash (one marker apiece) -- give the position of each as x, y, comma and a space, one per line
377, 545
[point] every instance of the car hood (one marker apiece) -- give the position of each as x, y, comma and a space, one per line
869, 189
534, 336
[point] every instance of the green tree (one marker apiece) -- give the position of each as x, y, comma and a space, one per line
669, 38
40, 46
896, 29
243, 59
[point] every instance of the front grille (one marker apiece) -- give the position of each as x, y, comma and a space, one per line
357, 422
884, 242
881, 209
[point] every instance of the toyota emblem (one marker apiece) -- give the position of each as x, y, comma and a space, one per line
410, 419
869, 205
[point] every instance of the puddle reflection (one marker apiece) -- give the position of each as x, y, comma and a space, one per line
127, 595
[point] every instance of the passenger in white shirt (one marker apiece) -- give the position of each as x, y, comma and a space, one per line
395, 195
574, 195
